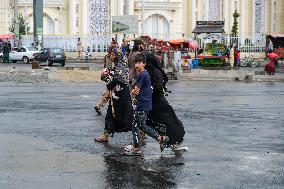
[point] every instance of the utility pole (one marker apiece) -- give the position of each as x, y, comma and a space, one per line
16, 31
142, 19
38, 22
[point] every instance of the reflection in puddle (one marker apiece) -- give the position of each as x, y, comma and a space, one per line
137, 172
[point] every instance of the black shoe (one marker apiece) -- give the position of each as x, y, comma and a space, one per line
98, 110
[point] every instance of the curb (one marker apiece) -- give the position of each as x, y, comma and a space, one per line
232, 77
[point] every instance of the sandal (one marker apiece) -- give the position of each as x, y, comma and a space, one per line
163, 142
102, 138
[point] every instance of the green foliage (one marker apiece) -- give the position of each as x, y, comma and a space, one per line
214, 48
118, 27
22, 30
234, 31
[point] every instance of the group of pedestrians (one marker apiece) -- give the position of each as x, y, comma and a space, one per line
135, 86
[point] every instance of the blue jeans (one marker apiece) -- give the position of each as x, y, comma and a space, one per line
139, 122
239, 62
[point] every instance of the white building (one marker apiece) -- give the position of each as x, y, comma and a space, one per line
161, 17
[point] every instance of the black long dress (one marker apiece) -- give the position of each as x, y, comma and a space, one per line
119, 112
162, 117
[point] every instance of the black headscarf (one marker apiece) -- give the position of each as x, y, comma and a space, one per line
157, 74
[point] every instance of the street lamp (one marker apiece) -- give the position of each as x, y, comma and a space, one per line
16, 31
142, 15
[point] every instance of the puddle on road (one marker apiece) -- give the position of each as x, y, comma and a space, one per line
136, 172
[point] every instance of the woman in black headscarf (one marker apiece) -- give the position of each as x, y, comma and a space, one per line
162, 117
119, 113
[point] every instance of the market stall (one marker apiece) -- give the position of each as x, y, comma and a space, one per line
7, 36
213, 47
275, 42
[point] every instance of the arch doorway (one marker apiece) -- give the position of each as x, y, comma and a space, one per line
48, 24
157, 26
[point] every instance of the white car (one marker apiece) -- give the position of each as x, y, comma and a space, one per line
25, 54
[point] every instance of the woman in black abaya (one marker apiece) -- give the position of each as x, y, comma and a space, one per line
162, 117
119, 113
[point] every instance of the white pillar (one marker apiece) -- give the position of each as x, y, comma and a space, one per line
160, 26
119, 7
112, 5
131, 7
253, 18
142, 18
85, 19
232, 12
193, 14
243, 17
206, 9
149, 25
226, 17
72, 16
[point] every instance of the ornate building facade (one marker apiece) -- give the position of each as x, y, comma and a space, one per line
5, 16
256, 16
84, 17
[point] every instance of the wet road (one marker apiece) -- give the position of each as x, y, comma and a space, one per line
234, 132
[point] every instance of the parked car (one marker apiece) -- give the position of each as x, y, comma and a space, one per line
25, 54
51, 55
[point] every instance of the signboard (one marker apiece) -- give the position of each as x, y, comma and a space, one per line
125, 24
209, 22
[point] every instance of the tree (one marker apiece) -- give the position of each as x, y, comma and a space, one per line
22, 26
234, 31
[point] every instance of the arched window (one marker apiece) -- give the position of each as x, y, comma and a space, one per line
48, 25
157, 26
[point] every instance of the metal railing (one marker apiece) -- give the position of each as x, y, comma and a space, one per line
249, 44
100, 42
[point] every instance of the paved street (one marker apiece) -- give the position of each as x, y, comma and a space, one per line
234, 132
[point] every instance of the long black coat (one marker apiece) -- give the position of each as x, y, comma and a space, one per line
119, 113
162, 117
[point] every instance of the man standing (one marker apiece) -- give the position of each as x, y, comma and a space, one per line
1, 45
177, 60
6, 52
232, 56
79, 48
9, 46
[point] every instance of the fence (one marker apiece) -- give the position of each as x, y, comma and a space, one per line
97, 43
100, 42
249, 44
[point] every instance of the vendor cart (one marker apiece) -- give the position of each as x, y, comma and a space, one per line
213, 45
211, 60
276, 43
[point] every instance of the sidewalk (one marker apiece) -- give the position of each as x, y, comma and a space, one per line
94, 55
243, 74
201, 74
